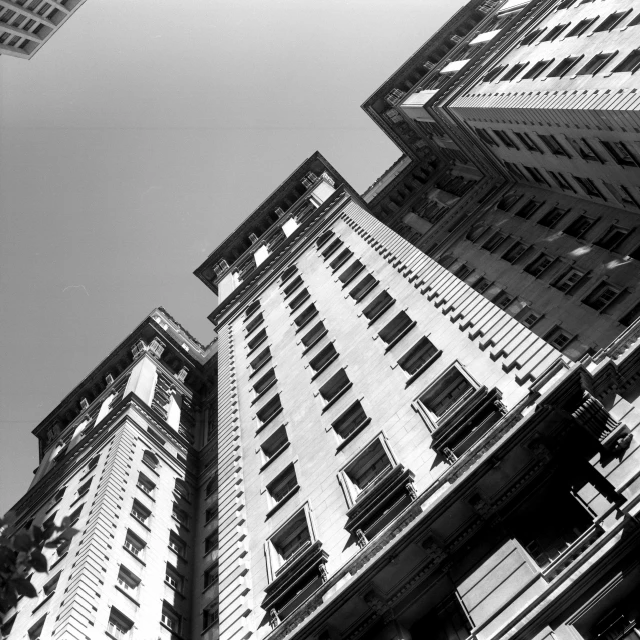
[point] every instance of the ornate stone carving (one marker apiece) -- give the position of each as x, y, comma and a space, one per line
411, 490
361, 538
274, 618
324, 574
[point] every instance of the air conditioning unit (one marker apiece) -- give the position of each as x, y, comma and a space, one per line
395, 96
253, 238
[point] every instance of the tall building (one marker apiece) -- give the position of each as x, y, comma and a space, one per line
25, 25
418, 418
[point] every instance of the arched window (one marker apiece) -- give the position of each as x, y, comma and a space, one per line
150, 459
182, 489
210, 489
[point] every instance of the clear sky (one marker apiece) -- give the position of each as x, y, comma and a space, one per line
140, 135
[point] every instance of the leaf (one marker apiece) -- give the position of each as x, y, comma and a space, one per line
39, 561
22, 541
37, 534
24, 587
68, 533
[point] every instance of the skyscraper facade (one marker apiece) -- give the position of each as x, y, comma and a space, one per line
418, 417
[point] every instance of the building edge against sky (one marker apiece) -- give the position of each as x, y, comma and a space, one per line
419, 415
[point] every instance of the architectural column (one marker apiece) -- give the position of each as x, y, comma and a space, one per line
142, 381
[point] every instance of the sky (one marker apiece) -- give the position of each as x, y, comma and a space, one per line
137, 139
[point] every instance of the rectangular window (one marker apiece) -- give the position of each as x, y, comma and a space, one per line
602, 296
558, 338
580, 226
254, 324
257, 340
331, 248
351, 272
481, 285
305, 316
486, 137
265, 383
211, 542
596, 63
527, 141
552, 217
378, 306
503, 299
396, 328
170, 618
368, 465
494, 241
515, 171
530, 38
324, 358
505, 138
530, 318
561, 180
127, 581
119, 625
611, 21
537, 176
211, 576
210, 514
537, 266
446, 393
553, 145
582, 147
299, 300
180, 515
620, 152
209, 617
631, 316
528, 209
288, 273
262, 358
581, 27
292, 286
568, 280
270, 410
494, 73
350, 421
613, 237
421, 354
292, 537
140, 512
134, 544
314, 335
283, 485
363, 287
275, 443
84, 488
144, 484
537, 69
50, 587
513, 71
335, 386
631, 63
555, 32
173, 578
564, 66
324, 237
177, 544
340, 259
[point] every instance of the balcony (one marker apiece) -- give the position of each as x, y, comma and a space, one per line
415, 105
453, 67
485, 37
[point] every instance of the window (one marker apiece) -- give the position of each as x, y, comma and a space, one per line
528, 209
611, 21
331, 248
299, 299
444, 394
630, 63
119, 625
270, 410
418, 357
170, 618
210, 576
351, 272
173, 578
134, 544
378, 306
180, 515
181, 490
530, 38
537, 69
463, 271
50, 587
368, 466
396, 328
503, 299
631, 316
255, 323
274, 444
140, 512
35, 633
251, 309
558, 338
211, 542
150, 459
602, 296
257, 340
144, 484
561, 180
537, 176
350, 421
584, 149
93, 463
363, 287
75, 516
326, 356
292, 286
314, 335
291, 537
494, 73
305, 316
581, 27
177, 544
209, 617
613, 237
476, 231
555, 32
127, 581
265, 383
568, 280
596, 63
210, 514
553, 145
505, 138
622, 194
486, 137
620, 152
564, 66
324, 237
283, 485
261, 359
333, 388
552, 217
341, 258
494, 241
580, 226
537, 266
514, 71
527, 141
481, 285
530, 318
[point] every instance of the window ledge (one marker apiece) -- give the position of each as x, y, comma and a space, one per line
59, 560
142, 524
179, 555
144, 493
174, 634
284, 500
43, 602
269, 420
307, 321
361, 427
255, 346
264, 392
181, 524
299, 304
176, 591
337, 396
253, 373
325, 366
213, 624
399, 337
274, 456
248, 333
315, 342
382, 311
133, 555
352, 277
413, 377
365, 294
286, 295
340, 264
124, 593
150, 467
